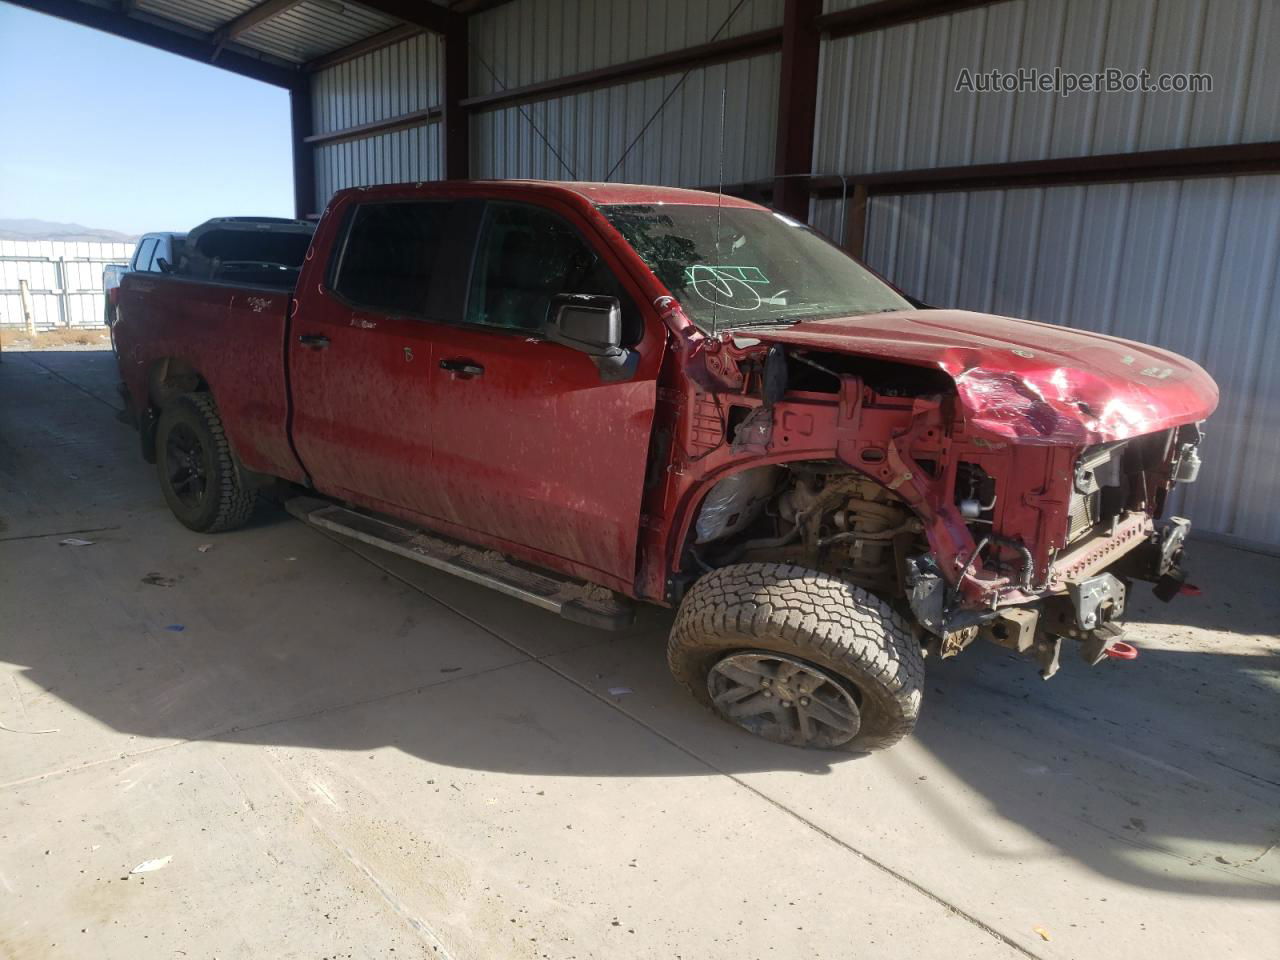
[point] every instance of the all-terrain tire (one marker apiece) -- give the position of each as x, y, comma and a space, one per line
227, 501
812, 616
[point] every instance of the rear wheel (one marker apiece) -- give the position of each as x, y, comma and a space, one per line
201, 480
798, 657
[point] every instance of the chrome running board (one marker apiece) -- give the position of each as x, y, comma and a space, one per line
572, 599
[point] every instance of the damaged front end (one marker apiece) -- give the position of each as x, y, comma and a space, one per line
1004, 514
1057, 545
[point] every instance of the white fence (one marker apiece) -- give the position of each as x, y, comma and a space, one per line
63, 279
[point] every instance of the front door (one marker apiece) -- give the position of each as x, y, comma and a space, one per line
530, 445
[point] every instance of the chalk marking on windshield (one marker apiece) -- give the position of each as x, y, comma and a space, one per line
727, 285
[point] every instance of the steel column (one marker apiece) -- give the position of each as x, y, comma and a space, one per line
457, 128
797, 105
304, 165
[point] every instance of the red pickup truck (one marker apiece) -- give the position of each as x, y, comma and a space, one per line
586, 395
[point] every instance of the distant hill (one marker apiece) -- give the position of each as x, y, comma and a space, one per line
48, 230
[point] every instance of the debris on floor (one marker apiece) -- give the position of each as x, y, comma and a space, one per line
76, 542
176, 627
1044, 934
159, 580
205, 547
9, 729
619, 691
147, 866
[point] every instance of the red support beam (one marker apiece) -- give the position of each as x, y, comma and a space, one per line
675, 61
855, 221
891, 13
1181, 163
1230, 160
421, 13
254, 16
797, 105
457, 126
304, 164
404, 121
468, 7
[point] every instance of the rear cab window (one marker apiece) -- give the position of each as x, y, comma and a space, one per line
392, 256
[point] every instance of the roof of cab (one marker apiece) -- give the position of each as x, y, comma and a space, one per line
611, 193
595, 193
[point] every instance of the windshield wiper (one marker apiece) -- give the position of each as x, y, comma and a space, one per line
769, 322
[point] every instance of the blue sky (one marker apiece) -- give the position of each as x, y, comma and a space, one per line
113, 134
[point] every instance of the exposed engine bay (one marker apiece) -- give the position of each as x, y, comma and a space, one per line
967, 536
819, 515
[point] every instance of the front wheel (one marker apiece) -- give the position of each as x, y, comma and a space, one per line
798, 657
199, 475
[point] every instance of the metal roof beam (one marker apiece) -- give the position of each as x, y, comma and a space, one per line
191, 46
468, 7
420, 13
254, 16
674, 61
386, 38
890, 13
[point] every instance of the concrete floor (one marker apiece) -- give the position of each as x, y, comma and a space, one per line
345, 754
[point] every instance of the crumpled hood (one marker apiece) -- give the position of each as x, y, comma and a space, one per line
1026, 381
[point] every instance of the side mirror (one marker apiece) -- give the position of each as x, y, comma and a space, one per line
593, 325
588, 323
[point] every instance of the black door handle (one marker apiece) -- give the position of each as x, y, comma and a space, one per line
316, 341
464, 367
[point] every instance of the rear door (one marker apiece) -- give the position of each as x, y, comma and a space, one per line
361, 354
530, 445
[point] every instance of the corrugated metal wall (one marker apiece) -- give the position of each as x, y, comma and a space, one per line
534, 40
590, 131
399, 79
888, 99
51, 267
538, 40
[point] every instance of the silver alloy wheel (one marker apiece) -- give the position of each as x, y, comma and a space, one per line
783, 699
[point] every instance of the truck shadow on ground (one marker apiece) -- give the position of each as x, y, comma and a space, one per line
1160, 774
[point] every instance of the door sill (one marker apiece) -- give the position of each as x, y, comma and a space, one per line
574, 600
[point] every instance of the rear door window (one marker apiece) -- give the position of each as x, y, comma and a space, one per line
392, 255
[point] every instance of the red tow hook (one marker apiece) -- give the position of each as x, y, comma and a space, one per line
1122, 651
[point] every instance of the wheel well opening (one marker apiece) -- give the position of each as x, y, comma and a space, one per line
822, 515
171, 378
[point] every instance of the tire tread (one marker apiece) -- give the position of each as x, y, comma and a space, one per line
235, 499
819, 617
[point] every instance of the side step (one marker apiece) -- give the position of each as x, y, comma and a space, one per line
572, 599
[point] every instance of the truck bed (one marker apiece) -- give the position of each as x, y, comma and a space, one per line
234, 335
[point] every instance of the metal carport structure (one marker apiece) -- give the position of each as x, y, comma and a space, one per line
1143, 215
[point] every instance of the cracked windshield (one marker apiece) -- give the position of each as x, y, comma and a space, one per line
732, 267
